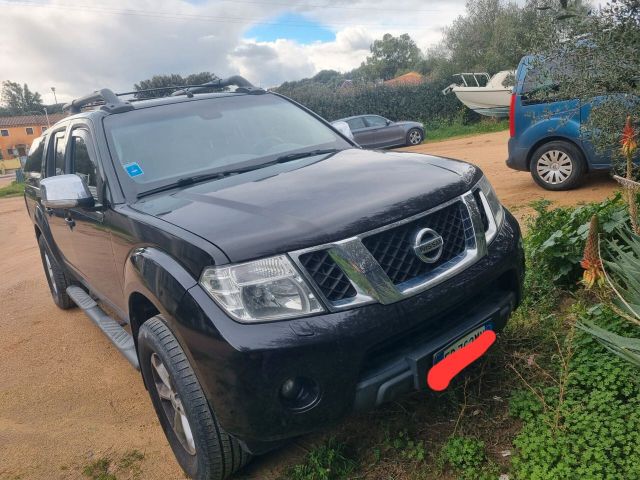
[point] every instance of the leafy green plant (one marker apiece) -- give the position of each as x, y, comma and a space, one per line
325, 462
468, 458
409, 448
557, 236
590, 426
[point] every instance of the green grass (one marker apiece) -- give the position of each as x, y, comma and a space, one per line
12, 190
438, 132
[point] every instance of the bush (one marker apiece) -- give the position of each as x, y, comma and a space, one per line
556, 237
407, 102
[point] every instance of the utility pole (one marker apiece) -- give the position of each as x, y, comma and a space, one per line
53, 89
47, 115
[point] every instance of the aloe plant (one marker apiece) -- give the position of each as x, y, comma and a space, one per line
622, 273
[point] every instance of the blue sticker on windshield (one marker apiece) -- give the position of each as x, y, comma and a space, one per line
133, 169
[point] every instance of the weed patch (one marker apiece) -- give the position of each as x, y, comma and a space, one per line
109, 467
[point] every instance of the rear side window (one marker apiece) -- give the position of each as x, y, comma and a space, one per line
356, 123
375, 121
58, 154
83, 163
543, 78
33, 165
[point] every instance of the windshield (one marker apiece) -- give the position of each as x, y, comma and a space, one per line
160, 145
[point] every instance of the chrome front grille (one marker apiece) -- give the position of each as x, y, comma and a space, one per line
382, 266
393, 248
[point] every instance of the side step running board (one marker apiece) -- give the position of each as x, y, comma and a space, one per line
112, 329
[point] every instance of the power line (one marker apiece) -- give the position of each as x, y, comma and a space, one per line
184, 16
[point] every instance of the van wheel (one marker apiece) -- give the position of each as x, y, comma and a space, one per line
202, 448
557, 165
56, 277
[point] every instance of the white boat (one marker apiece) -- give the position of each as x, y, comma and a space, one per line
484, 94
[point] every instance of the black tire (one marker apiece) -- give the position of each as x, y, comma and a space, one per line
415, 136
557, 165
216, 455
56, 278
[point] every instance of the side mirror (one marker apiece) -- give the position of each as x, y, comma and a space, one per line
344, 129
389, 122
65, 191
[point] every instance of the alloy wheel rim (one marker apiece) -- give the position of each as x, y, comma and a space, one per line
172, 405
50, 273
415, 138
554, 167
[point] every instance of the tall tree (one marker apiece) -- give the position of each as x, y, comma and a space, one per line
492, 35
19, 99
389, 57
171, 80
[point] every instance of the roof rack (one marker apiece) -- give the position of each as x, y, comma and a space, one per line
109, 101
112, 103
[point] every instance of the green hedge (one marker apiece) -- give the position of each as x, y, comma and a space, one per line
423, 102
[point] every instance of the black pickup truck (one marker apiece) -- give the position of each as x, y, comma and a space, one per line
266, 275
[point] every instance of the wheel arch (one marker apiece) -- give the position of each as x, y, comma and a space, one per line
556, 138
140, 309
154, 283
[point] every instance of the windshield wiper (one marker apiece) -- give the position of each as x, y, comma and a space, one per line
183, 182
296, 156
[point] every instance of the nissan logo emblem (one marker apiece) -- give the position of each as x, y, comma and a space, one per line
428, 245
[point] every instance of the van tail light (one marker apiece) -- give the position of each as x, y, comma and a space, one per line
512, 116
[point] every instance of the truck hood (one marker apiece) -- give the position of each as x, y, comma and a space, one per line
306, 203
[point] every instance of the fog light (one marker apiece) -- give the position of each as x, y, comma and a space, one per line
299, 393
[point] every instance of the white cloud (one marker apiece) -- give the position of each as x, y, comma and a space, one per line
79, 49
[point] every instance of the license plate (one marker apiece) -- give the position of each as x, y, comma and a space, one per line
461, 342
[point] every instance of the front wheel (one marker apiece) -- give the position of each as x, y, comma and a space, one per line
202, 448
56, 278
415, 137
557, 165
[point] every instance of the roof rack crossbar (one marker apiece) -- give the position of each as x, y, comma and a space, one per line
112, 103
156, 89
236, 80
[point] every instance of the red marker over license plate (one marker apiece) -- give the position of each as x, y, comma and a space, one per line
443, 372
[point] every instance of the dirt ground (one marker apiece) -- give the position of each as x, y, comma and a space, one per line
67, 398
515, 189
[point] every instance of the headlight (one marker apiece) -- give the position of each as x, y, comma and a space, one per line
492, 207
263, 290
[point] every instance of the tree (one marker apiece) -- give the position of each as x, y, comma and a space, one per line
19, 99
598, 54
172, 80
390, 56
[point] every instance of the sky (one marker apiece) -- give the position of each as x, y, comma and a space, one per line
78, 47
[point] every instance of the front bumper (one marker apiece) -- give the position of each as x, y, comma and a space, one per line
350, 354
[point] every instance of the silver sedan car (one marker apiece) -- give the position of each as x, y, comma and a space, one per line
374, 131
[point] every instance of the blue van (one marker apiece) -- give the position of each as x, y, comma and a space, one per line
545, 133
